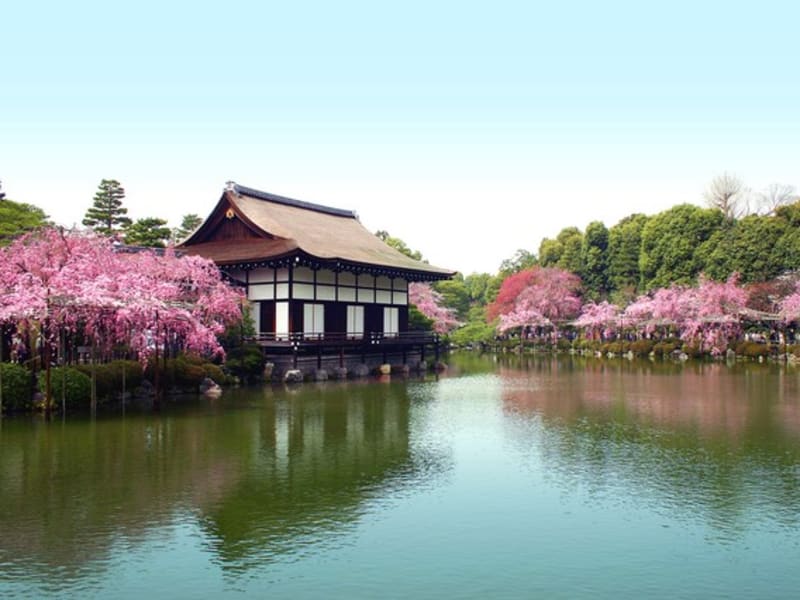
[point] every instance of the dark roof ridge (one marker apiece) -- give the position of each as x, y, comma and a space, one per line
253, 193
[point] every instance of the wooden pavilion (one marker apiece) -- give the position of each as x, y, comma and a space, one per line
319, 284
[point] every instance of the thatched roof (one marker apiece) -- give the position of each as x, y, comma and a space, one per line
271, 227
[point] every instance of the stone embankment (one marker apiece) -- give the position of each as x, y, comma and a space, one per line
271, 373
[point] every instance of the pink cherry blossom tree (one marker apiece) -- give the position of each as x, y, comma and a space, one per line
708, 315
664, 308
790, 305
598, 320
53, 281
429, 302
712, 313
550, 297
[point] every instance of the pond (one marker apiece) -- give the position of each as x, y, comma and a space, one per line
504, 478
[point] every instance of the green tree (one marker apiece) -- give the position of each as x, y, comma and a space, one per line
789, 213
478, 285
475, 330
787, 248
749, 247
563, 252
595, 261
150, 232
671, 244
624, 247
571, 259
455, 295
106, 216
188, 224
16, 218
550, 252
398, 245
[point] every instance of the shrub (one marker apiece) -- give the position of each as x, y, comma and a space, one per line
641, 347
17, 387
108, 377
214, 372
563, 345
246, 362
473, 333
77, 386
666, 347
592, 345
179, 373
752, 349
613, 347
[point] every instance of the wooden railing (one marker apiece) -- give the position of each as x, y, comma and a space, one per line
296, 340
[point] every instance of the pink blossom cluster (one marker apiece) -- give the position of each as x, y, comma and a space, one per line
67, 280
708, 314
550, 296
599, 319
429, 302
790, 306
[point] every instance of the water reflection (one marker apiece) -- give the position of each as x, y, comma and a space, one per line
264, 476
703, 442
638, 479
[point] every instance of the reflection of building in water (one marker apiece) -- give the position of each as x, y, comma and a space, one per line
264, 477
708, 439
320, 457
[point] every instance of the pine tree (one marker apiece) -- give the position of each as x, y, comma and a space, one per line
107, 215
189, 223
150, 232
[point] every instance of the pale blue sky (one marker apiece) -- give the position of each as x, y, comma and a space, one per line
468, 129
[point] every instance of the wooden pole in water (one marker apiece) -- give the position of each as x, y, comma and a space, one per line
156, 381
123, 387
48, 383
785, 347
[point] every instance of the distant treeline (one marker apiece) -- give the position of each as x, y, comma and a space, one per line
643, 252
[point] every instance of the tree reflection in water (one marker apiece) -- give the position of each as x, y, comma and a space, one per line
700, 441
264, 473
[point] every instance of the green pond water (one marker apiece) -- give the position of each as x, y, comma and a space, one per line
532, 478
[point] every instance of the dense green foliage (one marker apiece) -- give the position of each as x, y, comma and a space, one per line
70, 383
189, 223
672, 244
564, 252
595, 261
244, 359
150, 232
749, 247
417, 321
16, 218
624, 246
17, 386
246, 362
110, 378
